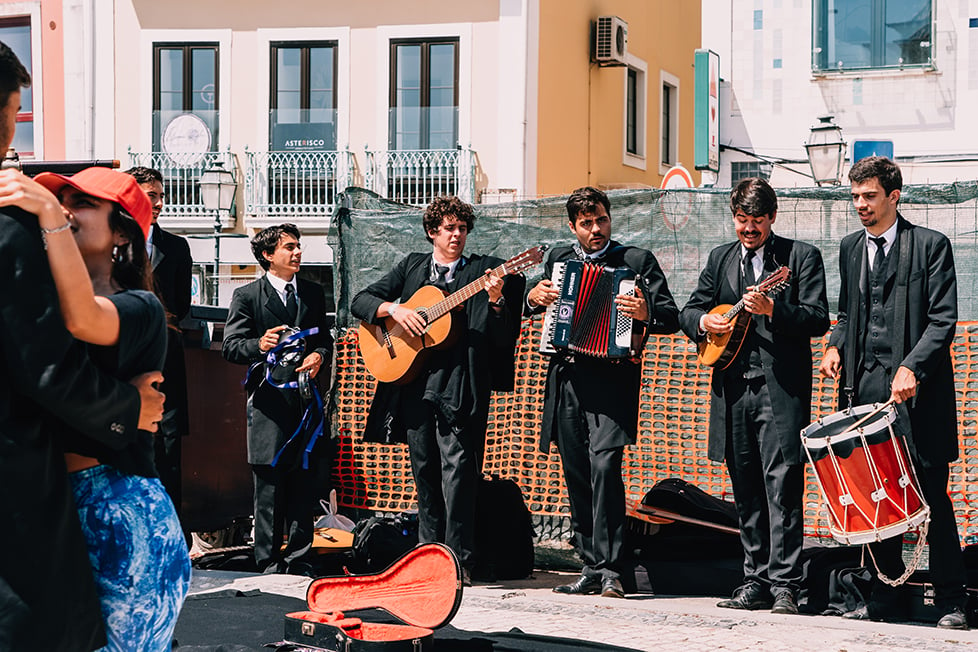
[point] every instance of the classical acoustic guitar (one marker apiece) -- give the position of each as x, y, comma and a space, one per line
394, 355
720, 349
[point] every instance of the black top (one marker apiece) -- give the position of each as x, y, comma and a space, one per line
141, 348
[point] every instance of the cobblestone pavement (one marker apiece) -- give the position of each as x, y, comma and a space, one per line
644, 622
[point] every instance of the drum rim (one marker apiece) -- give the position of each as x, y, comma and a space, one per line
887, 417
860, 537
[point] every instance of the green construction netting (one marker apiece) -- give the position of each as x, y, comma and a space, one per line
370, 233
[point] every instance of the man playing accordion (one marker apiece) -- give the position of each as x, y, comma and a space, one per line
591, 403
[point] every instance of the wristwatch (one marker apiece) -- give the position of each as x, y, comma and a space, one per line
498, 304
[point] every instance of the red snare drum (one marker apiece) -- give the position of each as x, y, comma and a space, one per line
868, 484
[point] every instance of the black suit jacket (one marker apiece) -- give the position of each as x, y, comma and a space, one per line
47, 596
172, 269
930, 321
606, 386
483, 355
273, 413
800, 313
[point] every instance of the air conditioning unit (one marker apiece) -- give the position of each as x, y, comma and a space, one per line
610, 41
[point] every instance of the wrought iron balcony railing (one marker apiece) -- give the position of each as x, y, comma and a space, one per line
183, 209
294, 186
416, 176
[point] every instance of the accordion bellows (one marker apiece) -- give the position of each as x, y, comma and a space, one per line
585, 318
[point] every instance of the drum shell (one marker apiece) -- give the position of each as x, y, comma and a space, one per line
865, 476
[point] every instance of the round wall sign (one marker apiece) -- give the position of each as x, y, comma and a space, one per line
186, 139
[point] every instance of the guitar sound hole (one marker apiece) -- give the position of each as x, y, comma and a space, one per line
424, 315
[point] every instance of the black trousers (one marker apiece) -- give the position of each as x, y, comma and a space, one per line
284, 500
595, 489
946, 562
446, 462
768, 491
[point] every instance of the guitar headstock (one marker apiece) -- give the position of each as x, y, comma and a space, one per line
525, 260
776, 282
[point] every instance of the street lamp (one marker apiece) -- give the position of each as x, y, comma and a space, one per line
217, 188
826, 151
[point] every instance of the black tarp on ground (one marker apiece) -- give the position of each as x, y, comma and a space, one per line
235, 621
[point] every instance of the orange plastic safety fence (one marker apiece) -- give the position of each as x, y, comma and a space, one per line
674, 415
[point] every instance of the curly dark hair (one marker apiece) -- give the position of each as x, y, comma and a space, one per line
755, 197
145, 175
130, 263
266, 240
878, 167
446, 206
585, 201
13, 74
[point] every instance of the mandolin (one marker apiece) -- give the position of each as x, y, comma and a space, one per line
394, 355
720, 349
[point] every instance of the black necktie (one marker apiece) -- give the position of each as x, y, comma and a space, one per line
749, 277
441, 280
879, 260
291, 304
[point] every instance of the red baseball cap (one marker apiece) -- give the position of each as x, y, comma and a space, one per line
106, 184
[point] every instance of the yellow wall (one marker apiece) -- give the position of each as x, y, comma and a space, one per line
580, 119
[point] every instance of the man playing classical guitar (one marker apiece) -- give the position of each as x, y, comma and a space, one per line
591, 404
441, 413
760, 402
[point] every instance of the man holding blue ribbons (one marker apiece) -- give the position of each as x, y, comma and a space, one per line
277, 324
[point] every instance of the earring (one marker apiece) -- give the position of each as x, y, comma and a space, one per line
116, 255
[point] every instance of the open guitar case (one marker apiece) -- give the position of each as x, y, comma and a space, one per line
423, 589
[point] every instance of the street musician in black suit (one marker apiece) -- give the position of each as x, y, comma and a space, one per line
442, 413
260, 311
169, 255
886, 348
591, 404
762, 400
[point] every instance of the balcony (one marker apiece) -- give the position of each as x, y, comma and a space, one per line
183, 211
416, 176
297, 187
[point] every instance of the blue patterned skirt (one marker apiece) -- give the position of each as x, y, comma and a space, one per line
138, 553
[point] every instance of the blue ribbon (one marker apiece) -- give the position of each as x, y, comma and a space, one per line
313, 420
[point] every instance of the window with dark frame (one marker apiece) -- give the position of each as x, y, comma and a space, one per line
302, 96
424, 94
185, 80
631, 113
15, 32
867, 34
666, 126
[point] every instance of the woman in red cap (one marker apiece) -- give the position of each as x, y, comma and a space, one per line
137, 549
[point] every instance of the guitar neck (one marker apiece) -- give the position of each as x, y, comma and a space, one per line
462, 295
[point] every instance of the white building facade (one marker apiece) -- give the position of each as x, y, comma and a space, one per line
889, 71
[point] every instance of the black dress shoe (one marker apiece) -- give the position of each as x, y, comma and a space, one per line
953, 619
611, 588
785, 603
860, 613
585, 585
750, 597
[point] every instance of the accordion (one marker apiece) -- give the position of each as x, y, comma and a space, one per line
585, 318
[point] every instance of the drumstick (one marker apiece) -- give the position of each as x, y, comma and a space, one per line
866, 418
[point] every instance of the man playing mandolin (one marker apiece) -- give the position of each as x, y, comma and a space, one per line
760, 397
441, 408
